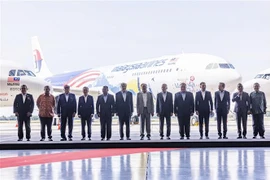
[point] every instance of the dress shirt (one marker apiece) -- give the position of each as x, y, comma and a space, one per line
105, 98
221, 94
85, 98
203, 95
124, 94
164, 96
183, 95
23, 97
144, 99
66, 95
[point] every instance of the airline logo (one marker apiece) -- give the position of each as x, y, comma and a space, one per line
173, 61
38, 60
13, 81
126, 68
84, 79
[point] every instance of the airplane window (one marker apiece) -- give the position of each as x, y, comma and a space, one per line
20, 73
209, 66
12, 72
259, 76
215, 66
267, 76
224, 66
29, 73
231, 66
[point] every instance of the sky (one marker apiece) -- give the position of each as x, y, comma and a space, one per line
78, 35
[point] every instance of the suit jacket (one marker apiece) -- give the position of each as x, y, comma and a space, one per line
224, 104
85, 109
67, 108
164, 107
105, 108
121, 106
258, 102
203, 105
184, 107
23, 108
149, 105
244, 104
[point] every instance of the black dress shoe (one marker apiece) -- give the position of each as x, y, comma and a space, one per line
108, 139
89, 139
161, 138
128, 138
181, 137
70, 139
219, 137
254, 137
262, 137
42, 139
19, 140
63, 139
188, 138
201, 137
148, 138
102, 139
239, 137
121, 139
142, 138
225, 137
244, 137
206, 137
50, 139
28, 139
168, 138
82, 139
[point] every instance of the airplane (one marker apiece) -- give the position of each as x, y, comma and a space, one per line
13, 75
191, 68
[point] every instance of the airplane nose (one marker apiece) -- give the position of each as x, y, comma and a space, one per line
233, 78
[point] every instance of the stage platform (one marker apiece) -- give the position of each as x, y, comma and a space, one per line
135, 144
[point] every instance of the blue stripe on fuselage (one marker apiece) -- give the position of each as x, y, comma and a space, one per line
62, 79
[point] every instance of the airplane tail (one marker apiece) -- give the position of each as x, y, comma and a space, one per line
41, 68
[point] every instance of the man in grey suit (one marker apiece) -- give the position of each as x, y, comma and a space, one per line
258, 109
145, 108
241, 108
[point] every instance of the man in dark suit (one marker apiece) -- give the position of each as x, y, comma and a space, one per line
66, 109
23, 108
258, 106
86, 112
183, 109
242, 109
222, 107
124, 110
203, 108
164, 109
105, 108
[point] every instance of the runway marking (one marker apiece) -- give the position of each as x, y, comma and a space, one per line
71, 156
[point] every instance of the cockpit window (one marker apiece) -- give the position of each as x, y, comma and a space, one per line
209, 66
20, 73
12, 72
215, 66
259, 76
224, 66
231, 66
29, 73
267, 76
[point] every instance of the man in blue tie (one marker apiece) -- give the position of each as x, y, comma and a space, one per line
183, 109
66, 109
105, 108
86, 112
222, 107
